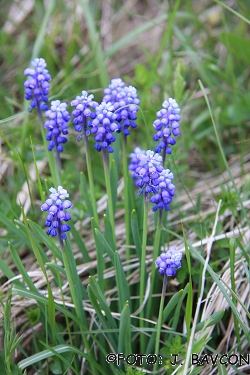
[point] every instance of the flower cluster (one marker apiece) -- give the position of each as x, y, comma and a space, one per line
135, 161
166, 191
125, 101
168, 262
57, 125
37, 87
148, 172
151, 177
82, 112
167, 126
56, 206
103, 126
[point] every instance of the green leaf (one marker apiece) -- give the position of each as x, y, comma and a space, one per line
122, 284
103, 303
109, 236
85, 194
179, 81
136, 233
113, 183
124, 343
45, 354
189, 304
102, 242
45, 239
210, 321
167, 310
239, 46
81, 246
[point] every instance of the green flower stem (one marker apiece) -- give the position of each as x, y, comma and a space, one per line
159, 324
91, 180
74, 283
157, 239
126, 198
62, 295
111, 214
142, 273
54, 170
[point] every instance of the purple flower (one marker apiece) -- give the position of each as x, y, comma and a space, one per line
37, 87
148, 172
134, 161
168, 262
83, 105
56, 206
166, 191
103, 126
167, 126
125, 101
115, 87
57, 125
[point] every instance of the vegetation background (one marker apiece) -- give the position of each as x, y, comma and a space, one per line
197, 52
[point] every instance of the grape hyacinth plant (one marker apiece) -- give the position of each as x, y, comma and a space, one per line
117, 113
168, 262
57, 127
103, 126
134, 161
125, 101
148, 173
83, 113
56, 205
37, 87
167, 126
164, 196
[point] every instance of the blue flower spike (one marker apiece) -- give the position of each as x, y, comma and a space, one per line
166, 191
83, 113
57, 216
168, 262
103, 126
125, 102
148, 172
134, 161
37, 87
167, 126
57, 125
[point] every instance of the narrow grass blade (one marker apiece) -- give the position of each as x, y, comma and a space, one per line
189, 304
37, 173
124, 343
113, 184
109, 235
122, 42
12, 228
85, 194
58, 349
43, 301
122, 284
45, 239
233, 11
106, 247
136, 233
212, 320
99, 314
21, 268
223, 155
95, 43
167, 310
100, 260
81, 246
103, 303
